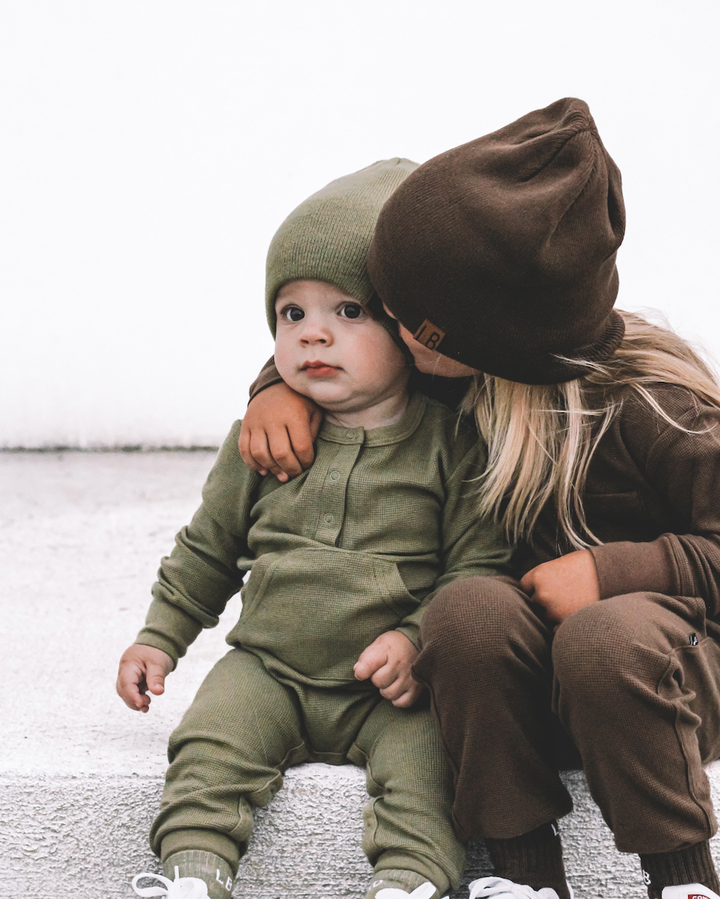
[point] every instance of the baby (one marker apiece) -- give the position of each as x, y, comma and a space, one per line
343, 562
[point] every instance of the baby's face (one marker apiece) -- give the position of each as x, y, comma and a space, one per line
328, 348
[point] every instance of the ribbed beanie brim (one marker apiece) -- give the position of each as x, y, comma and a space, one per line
326, 238
501, 253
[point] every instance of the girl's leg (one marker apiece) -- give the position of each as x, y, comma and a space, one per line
409, 837
486, 660
226, 757
637, 685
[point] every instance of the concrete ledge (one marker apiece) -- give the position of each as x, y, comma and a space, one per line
81, 837
81, 775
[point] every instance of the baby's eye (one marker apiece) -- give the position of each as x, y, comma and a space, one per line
352, 310
292, 313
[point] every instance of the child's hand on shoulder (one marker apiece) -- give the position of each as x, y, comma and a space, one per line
563, 586
278, 432
142, 669
388, 662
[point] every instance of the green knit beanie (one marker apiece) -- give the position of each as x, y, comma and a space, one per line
327, 237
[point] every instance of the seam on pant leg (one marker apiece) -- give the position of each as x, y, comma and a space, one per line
262, 796
375, 791
246, 823
672, 666
356, 756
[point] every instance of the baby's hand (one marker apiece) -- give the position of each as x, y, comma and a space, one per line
563, 586
388, 661
142, 668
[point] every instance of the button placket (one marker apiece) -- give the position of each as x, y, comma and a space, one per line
332, 496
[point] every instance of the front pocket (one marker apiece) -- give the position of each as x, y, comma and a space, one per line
316, 610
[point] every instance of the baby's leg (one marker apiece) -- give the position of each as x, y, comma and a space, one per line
409, 837
226, 756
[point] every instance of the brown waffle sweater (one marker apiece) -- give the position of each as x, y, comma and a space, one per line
652, 498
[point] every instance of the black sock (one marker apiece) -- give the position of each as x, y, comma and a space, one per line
692, 865
534, 859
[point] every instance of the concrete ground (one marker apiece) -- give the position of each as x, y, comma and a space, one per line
81, 535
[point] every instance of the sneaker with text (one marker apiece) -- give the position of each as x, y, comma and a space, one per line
689, 891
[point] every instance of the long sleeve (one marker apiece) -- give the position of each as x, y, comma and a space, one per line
200, 575
681, 466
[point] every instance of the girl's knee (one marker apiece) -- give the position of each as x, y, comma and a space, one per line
479, 619
595, 650
465, 609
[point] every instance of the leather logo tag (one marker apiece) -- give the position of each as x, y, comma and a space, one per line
429, 335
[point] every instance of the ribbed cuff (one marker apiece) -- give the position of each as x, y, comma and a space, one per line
213, 870
691, 865
625, 567
534, 859
191, 838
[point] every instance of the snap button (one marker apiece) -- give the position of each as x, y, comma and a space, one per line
350, 435
328, 518
334, 474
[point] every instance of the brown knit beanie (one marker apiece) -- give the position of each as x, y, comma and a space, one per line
327, 237
501, 253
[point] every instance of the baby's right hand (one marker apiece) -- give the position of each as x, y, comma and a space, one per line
142, 668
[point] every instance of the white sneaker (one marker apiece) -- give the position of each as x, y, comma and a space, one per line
689, 891
424, 891
499, 888
180, 888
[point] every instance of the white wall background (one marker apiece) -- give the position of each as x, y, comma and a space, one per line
150, 148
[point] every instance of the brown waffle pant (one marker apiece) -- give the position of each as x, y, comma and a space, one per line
634, 680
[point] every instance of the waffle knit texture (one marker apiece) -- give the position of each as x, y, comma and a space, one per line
501, 253
634, 678
245, 727
326, 238
691, 865
354, 547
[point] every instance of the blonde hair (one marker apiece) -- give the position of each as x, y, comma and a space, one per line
542, 438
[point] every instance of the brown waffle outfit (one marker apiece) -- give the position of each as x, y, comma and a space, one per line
634, 678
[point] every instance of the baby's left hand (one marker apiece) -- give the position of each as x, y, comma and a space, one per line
388, 661
563, 586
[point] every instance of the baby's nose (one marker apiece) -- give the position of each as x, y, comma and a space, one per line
314, 332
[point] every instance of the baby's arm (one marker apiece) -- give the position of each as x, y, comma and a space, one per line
388, 661
195, 581
142, 669
278, 432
